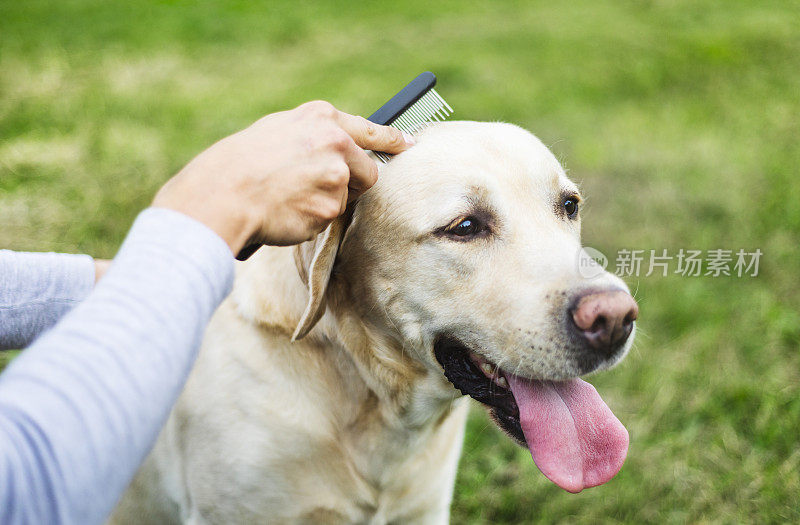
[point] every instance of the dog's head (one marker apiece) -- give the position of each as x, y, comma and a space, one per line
467, 251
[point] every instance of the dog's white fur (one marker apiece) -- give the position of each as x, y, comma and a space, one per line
356, 423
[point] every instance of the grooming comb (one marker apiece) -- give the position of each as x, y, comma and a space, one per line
415, 107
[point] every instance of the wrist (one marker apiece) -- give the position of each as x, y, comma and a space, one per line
100, 268
233, 226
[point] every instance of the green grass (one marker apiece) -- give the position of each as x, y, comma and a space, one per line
681, 120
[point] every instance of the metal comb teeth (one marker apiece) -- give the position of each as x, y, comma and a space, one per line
430, 108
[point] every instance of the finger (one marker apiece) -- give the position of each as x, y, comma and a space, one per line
363, 170
373, 136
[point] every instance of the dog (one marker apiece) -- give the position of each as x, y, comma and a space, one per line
332, 385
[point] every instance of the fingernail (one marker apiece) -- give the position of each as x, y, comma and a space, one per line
410, 140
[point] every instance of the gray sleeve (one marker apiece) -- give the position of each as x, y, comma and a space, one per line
82, 406
36, 290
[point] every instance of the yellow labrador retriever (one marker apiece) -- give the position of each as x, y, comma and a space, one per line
329, 387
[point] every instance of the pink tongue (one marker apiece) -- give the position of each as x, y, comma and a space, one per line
573, 437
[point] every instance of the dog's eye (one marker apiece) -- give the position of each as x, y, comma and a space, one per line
466, 227
477, 225
570, 205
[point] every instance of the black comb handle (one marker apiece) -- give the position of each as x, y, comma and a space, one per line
247, 251
403, 100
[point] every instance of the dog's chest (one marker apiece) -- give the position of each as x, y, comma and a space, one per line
366, 475
384, 475
299, 438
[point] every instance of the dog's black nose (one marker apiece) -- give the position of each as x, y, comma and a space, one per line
605, 318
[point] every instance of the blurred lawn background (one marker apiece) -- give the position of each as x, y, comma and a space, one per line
681, 120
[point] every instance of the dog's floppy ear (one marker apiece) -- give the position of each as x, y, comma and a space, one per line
315, 263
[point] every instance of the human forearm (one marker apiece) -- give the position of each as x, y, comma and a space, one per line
36, 290
82, 406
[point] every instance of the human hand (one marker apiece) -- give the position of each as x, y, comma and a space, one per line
284, 178
101, 266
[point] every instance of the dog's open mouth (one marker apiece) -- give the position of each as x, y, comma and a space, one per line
574, 438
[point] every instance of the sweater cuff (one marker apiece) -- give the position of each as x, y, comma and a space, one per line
44, 277
160, 231
78, 269
38, 289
